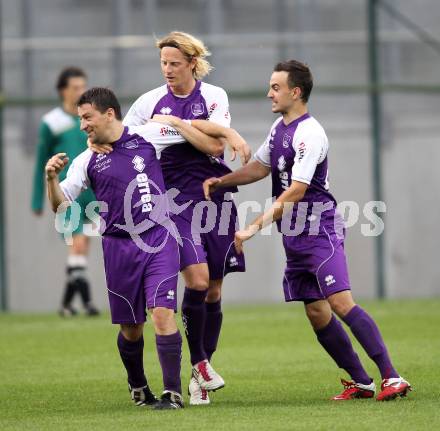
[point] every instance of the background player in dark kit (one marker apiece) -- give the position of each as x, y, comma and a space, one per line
60, 132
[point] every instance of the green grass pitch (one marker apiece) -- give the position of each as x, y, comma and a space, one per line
66, 374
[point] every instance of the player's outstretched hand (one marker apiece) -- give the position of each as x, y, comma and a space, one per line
168, 120
55, 165
243, 235
100, 149
237, 145
209, 186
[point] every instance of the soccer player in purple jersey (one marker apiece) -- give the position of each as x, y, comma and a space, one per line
295, 153
203, 264
140, 250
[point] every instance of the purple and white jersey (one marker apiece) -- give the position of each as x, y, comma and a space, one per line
184, 167
298, 152
128, 181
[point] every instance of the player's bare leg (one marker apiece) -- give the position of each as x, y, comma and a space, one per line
131, 350
367, 333
332, 336
194, 319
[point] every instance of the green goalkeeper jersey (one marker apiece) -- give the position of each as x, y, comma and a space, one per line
59, 133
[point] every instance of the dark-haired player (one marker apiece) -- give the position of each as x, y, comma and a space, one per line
295, 154
140, 245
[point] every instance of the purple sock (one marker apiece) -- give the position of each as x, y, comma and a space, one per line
132, 353
368, 335
338, 345
169, 350
194, 318
213, 325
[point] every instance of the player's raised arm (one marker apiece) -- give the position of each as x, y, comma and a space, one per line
204, 142
75, 182
288, 198
314, 149
250, 173
235, 141
53, 167
217, 100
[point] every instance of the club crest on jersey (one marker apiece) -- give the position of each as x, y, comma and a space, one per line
166, 110
131, 145
197, 109
281, 163
287, 139
138, 163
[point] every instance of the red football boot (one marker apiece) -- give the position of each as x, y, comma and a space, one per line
392, 388
354, 390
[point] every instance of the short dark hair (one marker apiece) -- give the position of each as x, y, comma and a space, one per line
299, 76
66, 74
102, 98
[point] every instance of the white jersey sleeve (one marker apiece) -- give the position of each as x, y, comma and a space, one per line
263, 153
159, 135
311, 146
142, 109
217, 104
77, 179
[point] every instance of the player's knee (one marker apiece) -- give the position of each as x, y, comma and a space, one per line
198, 284
196, 277
341, 305
132, 332
318, 313
313, 314
80, 244
164, 321
214, 294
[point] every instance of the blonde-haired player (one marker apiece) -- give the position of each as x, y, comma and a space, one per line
192, 48
205, 257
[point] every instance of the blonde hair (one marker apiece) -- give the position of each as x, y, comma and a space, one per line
190, 47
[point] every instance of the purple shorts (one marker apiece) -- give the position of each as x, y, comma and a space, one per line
138, 280
207, 231
316, 266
